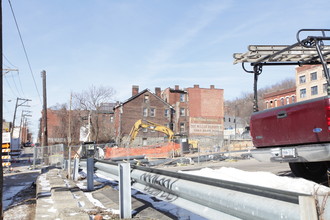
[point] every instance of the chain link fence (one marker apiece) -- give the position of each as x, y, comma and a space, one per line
49, 155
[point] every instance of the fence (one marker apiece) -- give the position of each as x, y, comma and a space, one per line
49, 155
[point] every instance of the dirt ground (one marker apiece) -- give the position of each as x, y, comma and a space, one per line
24, 205
19, 191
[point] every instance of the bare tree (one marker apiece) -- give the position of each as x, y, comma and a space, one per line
91, 100
242, 107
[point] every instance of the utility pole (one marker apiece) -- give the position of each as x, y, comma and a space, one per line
22, 136
69, 135
44, 112
23, 101
1, 113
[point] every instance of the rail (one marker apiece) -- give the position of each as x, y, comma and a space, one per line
214, 198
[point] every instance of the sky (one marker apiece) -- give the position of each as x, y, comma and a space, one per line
149, 43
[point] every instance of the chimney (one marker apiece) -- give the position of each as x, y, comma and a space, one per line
176, 87
135, 90
158, 91
196, 86
211, 86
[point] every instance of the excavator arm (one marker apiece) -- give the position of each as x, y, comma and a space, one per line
140, 124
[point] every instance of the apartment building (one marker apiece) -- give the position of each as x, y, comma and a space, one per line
310, 82
195, 112
178, 99
101, 123
144, 105
199, 112
280, 98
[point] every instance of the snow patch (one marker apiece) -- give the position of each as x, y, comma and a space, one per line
264, 179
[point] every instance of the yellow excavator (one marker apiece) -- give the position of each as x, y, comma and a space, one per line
140, 124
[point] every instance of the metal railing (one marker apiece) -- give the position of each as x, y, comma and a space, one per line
214, 198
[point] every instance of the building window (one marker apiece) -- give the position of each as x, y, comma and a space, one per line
293, 99
287, 100
145, 112
224, 119
302, 79
302, 93
313, 76
325, 87
145, 130
275, 102
282, 101
152, 112
144, 141
182, 112
182, 97
146, 98
111, 118
166, 113
314, 90
182, 127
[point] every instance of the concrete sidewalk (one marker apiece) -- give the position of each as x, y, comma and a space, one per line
60, 198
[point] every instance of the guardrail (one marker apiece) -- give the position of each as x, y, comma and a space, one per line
214, 198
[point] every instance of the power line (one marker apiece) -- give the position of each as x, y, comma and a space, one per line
20, 83
16, 87
19, 78
9, 61
26, 56
10, 87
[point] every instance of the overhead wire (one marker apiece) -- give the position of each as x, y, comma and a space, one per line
20, 83
10, 87
25, 52
20, 95
18, 75
9, 61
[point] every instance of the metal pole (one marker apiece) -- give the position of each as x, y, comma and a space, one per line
13, 126
34, 156
69, 164
90, 174
125, 203
1, 113
44, 115
75, 169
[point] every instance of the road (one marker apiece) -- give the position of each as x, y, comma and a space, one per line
19, 186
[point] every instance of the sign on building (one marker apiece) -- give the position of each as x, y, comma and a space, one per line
5, 137
205, 126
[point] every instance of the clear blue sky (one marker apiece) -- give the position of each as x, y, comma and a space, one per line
150, 43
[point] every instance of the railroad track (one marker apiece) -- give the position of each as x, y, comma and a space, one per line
214, 198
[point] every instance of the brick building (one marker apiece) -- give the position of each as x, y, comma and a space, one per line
206, 113
279, 98
58, 125
198, 113
178, 99
143, 105
310, 82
